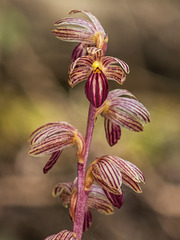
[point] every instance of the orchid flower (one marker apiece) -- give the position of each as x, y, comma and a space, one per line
110, 172
52, 138
97, 69
122, 109
63, 235
67, 192
88, 33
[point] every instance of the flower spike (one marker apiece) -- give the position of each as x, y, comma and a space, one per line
52, 138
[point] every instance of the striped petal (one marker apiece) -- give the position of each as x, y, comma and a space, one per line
107, 175
122, 108
98, 200
64, 192
115, 73
95, 21
79, 74
96, 53
77, 22
50, 163
132, 107
120, 93
123, 119
96, 88
71, 34
107, 60
63, 235
113, 132
131, 175
52, 144
85, 61
126, 167
48, 129
116, 200
130, 183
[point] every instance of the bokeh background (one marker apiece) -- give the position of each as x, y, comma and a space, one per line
34, 91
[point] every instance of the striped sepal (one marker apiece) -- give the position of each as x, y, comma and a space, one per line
108, 60
50, 163
63, 235
131, 175
116, 200
71, 34
98, 200
107, 175
113, 132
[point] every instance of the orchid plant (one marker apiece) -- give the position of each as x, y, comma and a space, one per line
98, 185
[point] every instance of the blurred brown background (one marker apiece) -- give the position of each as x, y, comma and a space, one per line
34, 91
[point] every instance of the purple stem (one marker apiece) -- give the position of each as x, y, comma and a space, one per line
82, 194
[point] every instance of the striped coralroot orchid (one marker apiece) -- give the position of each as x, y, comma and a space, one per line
122, 109
119, 108
88, 33
97, 69
67, 192
110, 172
52, 138
63, 235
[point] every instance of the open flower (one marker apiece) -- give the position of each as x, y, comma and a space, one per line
97, 69
52, 138
67, 192
122, 109
110, 172
63, 235
88, 33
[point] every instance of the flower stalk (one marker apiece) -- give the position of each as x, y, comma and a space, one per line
82, 194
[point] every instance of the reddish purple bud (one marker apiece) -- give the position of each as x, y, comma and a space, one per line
96, 88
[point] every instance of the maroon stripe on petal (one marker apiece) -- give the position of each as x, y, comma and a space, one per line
116, 200
113, 132
130, 183
74, 35
50, 163
96, 88
77, 22
63, 235
79, 51
94, 20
